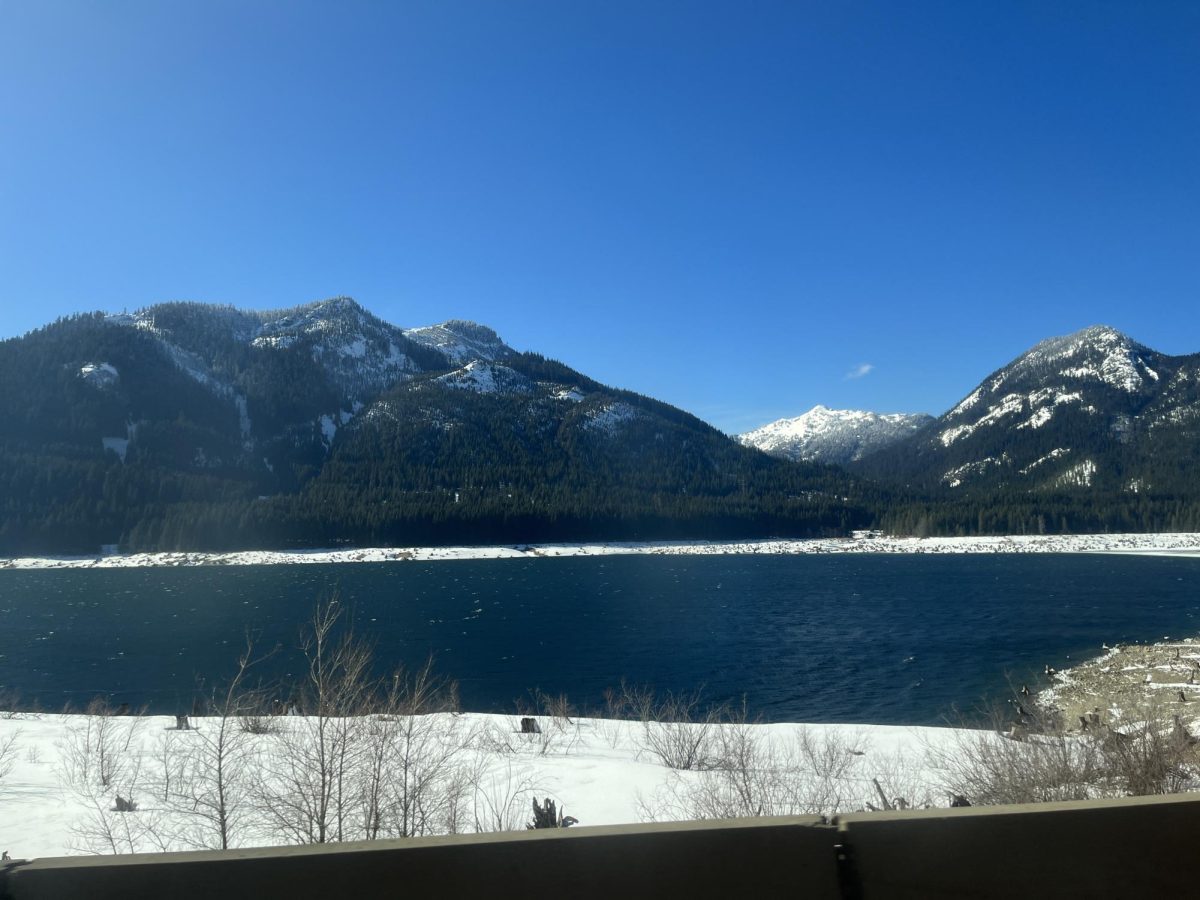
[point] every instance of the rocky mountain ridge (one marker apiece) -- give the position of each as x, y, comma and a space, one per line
1089, 410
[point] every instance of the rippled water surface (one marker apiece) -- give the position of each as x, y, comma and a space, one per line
887, 639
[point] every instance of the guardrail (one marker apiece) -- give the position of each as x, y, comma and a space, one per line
1135, 847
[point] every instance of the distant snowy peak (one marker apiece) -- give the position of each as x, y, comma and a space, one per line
833, 435
461, 341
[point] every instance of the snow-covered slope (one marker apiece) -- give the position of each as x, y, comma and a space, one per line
833, 435
361, 353
461, 341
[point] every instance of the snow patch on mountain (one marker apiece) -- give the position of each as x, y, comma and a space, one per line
329, 430
609, 417
120, 445
955, 477
244, 423
117, 445
1053, 454
1079, 475
833, 435
100, 375
486, 378
274, 341
1039, 418
966, 403
1008, 405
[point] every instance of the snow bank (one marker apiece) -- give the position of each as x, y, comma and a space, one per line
1176, 544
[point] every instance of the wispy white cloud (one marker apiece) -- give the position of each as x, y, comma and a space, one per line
860, 371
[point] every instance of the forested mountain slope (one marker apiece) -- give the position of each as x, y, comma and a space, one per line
192, 426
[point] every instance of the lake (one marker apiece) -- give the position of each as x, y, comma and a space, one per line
886, 639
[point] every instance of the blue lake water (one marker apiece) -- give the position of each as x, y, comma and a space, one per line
854, 638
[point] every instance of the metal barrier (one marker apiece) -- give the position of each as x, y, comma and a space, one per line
1121, 848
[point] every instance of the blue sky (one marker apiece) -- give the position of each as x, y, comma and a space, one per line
732, 207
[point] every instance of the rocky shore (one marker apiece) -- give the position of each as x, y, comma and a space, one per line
1128, 680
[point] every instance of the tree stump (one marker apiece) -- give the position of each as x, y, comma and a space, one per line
545, 815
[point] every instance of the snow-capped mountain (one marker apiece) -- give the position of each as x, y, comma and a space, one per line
833, 435
1093, 409
189, 425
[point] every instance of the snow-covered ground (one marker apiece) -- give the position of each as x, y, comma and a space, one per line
1170, 544
599, 771
479, 772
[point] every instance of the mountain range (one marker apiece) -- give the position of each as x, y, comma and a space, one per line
185, 425
1091, 410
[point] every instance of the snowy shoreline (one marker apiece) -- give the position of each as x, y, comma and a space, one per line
1165, 544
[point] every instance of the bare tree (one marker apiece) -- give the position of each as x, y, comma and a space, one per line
754, 774
309, 794
207, 772
501, 796
8, 753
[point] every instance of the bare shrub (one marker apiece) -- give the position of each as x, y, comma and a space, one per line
96, 749
11, 706
113, 821
1149, 751
680, 731
500, 795
258, 723
756, 773
629, 701
900, 782
410, 777
1039, 760
8, 753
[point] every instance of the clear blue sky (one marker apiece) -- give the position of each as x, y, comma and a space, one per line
728, 206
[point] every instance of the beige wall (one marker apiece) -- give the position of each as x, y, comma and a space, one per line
1123, 848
